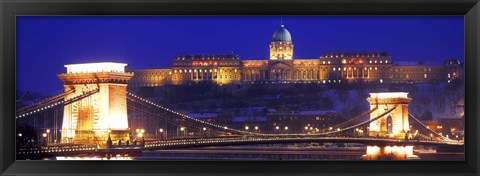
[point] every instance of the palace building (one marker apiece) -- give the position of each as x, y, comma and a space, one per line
283, 67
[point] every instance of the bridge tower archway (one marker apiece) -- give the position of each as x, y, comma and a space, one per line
101, 114
395, 124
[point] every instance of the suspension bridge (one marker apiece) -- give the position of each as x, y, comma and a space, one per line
96, 114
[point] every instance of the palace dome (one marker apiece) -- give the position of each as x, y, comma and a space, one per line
281, 35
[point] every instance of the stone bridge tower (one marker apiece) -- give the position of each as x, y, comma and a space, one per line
394, 124
104, 113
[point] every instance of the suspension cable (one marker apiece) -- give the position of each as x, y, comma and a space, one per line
418, 121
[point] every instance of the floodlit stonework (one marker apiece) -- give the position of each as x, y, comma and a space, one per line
92, 119
394, 124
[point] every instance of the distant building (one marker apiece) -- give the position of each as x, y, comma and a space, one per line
207, 117
253, 124
284, 120
453, 127
282, 67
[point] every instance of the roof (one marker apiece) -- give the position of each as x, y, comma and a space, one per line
249, 119
316, 112
417, 63
281, 35
208, 57
203, 115
356, 54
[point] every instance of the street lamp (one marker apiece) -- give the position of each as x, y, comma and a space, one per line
44, 136
161, 133
48, 136
246, 127
204, 131
184, 131
256, 127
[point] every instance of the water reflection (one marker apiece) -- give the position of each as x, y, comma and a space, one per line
390, 153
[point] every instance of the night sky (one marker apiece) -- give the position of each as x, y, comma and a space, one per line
46, 44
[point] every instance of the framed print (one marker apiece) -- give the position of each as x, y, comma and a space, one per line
278, 88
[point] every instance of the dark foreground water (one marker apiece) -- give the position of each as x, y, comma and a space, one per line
273, 152
295, 152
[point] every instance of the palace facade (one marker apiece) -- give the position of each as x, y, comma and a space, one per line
282, 67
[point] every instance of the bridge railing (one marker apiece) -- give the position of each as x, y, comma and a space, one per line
53, 104
44, 102
57, 149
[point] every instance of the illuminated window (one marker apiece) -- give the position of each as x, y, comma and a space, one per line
439, 127
375, 61
323, 62
449, 75
380, 61
334, 69
328, 62
386, 61
370, 61
425, 75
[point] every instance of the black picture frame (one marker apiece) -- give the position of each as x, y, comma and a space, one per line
11, 8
